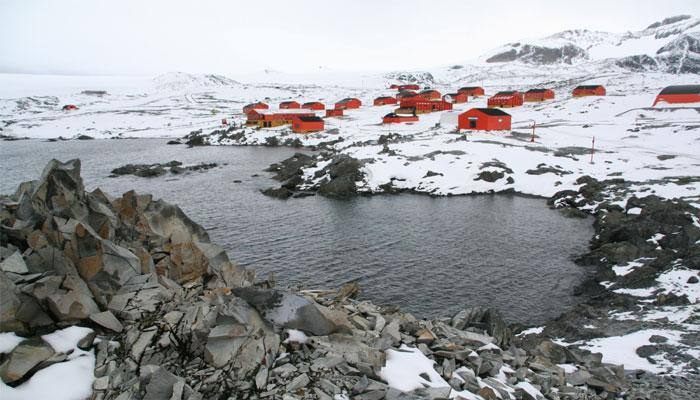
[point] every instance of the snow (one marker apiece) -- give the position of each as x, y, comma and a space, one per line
404, 366
69, 380
673, 281
568, 368
296, 336
8, 341
622, 270
532, 331
634, 211
622, 349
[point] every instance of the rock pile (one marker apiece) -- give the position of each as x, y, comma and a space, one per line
159, 169
337, 178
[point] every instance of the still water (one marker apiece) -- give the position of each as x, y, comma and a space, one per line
430, 256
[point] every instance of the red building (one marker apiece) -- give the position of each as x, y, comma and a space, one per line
307, 124
394, 86
506, 99
474, 91
431, 94
539, 95
484, 119
679, 94
313, 105
348, 103
410, 86
393, 118
255, 106
334, 112
422, 106
588, 90
456, 98
287, 105
272, 118
70, 107
384, 100
404, 94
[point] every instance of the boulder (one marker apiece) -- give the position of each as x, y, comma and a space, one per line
24, 358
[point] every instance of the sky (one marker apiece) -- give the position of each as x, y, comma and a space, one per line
147, 37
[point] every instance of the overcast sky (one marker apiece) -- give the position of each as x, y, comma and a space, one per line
147, 37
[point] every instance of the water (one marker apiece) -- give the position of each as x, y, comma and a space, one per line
430, 256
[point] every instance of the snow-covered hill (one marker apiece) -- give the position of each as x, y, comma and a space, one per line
178, 81
670, 45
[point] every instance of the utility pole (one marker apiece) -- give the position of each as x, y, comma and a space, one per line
592, 149
532, 139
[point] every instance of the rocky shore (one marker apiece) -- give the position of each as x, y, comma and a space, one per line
166, 314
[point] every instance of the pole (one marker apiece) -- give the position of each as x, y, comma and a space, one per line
592, 149
532, 139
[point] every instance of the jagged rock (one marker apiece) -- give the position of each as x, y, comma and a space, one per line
487, 319
288, 310
72, 306
9, 305
297, 383
107, 320
163, 385
23, 358
15, 264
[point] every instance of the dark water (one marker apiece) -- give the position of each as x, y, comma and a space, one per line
431, 256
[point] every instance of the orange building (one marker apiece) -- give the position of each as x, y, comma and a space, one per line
384, 100
348, 103
484, 119
307, 124
288, 105
273, 118
255, 106
393, 118
313, 105
474, 91
539, 95
679, 94
506, 99
588, 90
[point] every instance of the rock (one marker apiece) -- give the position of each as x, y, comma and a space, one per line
9, 305
15, 264
693, 279
487, 319
24, 358
261, 378
288, 310
107, 320
297, 383
489, 176
163, 385
72, 306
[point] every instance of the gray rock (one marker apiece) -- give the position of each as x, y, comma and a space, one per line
261, 378
107, 320
15, 264
297, 383
287, 310
23, 358
72, 306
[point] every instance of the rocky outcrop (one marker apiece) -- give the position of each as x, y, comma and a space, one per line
337, 179
159, 169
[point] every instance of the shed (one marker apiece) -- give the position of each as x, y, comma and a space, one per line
474, 91
305, 124
404, 94
539, 94
348, 103
431, 94
286, 105
422, 106
313, 105
510, 98
384, 100
255, 106
456, 98
393, 118
588, 90
408, 86
272, 118
679, 94
334, 112
484, 119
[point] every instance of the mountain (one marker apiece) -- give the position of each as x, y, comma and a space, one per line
175, 81
671, 45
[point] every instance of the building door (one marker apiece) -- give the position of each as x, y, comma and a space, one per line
472, 123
